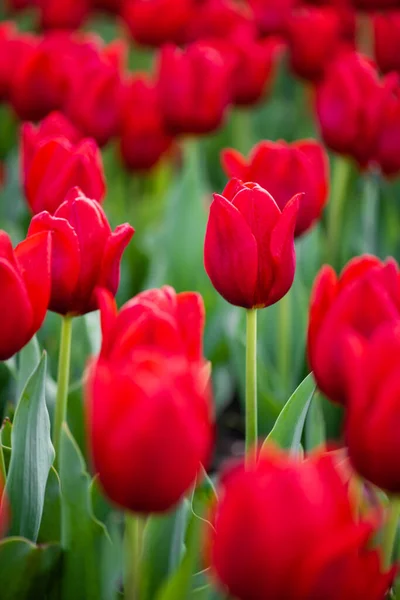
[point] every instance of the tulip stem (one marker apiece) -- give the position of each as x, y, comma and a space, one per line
63, 382
340, 182
370, 211
284, 341
251, 385
134, 530
390, 531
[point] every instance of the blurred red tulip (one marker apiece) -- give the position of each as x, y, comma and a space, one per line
297, 534
375, 5
194, 88
364, 298
85, 253
155, 22
143, 137
387, 41
14, 48
25, 291
17, 5
372, 414
219, 19
62, 14
285, 170
111, 6
387, 155
249, 251
272, 15
55, 165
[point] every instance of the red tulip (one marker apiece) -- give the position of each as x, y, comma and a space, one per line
14, 48
372, 414
111, 6
285, 170
25, 290
314, 38
143, 138
95, 108
219, 19
272, 15
62, 14
372, 5
194, 88
148, 398
155, 22
160, 318
387, 154
286, 529
249, 245
387, 41
55, 166
350, 107
85, 252
364, 298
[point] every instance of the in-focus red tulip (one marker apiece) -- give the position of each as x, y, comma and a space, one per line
314, 37
14, 48
62, 14
297, 534
85, 252
156, 22
364, 298
95, 107
372, 414
55, 166
194, 88
249, 250
350, 107
143, 137
25, 290
271, 16
387, 41
149, 399
285, 170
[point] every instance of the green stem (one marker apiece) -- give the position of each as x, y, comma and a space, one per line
390, 531
242, 127
370, 211
134, 530
251, 384
284, 341
63, 381
340, 182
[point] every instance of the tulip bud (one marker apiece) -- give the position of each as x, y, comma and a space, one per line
85, 253
194, 88
25, 290
285, 170
144, 140
360, 301
371, 418
249, 251
387, 41
149, 399
298, 538
55, 165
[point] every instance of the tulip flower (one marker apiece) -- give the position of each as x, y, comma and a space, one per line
55, 165
272, 15
219, 19
387, 41
144, 140
286, 529
156, 22
249, 251
85, 253
194, 88
371, 418
387, 154
14, 48
110, 6
62, 14
149, 399
285, 170
363, 299
374, 5
25, 290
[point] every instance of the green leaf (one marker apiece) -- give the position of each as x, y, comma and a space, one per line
315, 424
288, 429
31, 457
163, 547
50, 527
82, 534
27, 571
28, 360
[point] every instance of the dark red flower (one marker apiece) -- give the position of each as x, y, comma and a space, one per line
249, 245
387, 154
272, 15
14, 47
294, 524
143, 137
364, 298
219, 19
285, 170
387, 41
111, 6
85, 252
375, 5
62, 14
194, 88
25, 290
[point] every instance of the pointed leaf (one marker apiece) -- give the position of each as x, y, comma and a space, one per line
315, 424
31, 457
50, 527
28, 360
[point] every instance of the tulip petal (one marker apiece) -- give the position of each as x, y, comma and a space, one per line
108, 315
323, 293
6, 249
110, 267
191, 321
234, 164
34, 259
231, 254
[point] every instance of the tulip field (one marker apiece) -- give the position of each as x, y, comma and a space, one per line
200, 299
